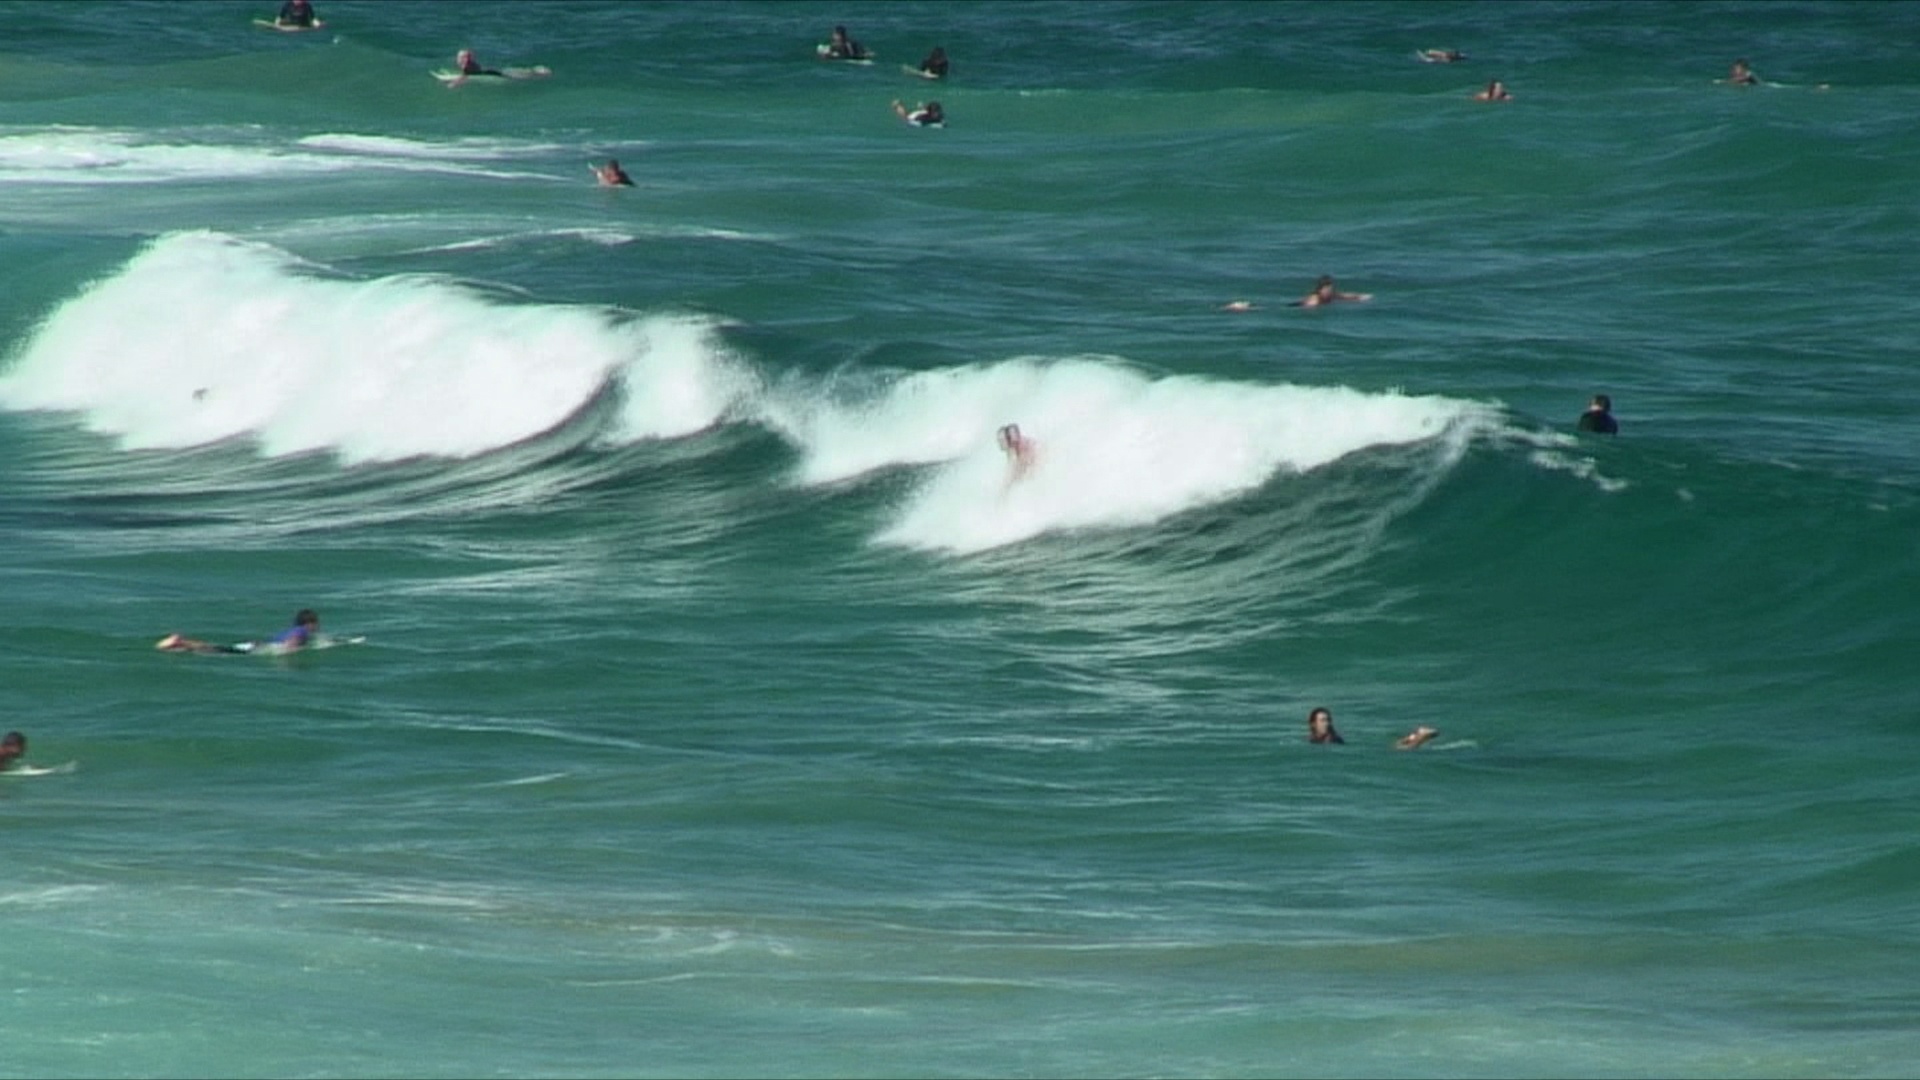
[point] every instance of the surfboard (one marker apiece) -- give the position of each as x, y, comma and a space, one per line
823, 50
911, 70
448, 75
246, 648
41, 770
287, 29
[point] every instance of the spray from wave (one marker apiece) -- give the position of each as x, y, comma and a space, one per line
202, 338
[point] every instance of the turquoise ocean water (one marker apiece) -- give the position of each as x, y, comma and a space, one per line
726, 711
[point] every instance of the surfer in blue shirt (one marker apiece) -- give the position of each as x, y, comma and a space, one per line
12, 745
295, 13
305, 628
1599, 417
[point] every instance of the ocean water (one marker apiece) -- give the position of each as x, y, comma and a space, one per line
728, 709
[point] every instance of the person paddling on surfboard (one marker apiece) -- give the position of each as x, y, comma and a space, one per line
296, 13
1741, 75
935, 65
1324, 293
927, 115
303, 632
12, 745
1495, 91
1441, 56
1599, 417
1415, 739
612, 175
842, 47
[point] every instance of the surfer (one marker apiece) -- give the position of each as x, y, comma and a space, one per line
935, 65
1416, 738
1018, 448
927, 115
1324, 293
12, 745
1741, 75
1495, 91
296, 13
468, 64
1320, 727
612, 175
1599, 417
1442, 56
305, 628
842, 47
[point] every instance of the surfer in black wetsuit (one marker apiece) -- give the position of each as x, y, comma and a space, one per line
1599, 417
468, 64
935, 65
842, 47
1320, 727
295, 13
12, 745
1741, 75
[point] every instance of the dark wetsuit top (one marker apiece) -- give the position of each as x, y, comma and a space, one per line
292, 14
1601, 422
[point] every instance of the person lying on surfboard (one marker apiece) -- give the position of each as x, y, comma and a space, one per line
935, 65
1495, 91
1416, 738
1324, 293
12, 745
612, 175
296, 13
1741, 75
1441, 56
305, 628
927, 115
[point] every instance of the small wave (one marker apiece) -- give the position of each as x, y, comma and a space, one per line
84, 155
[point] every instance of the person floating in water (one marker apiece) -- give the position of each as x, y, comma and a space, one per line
1019, 449
304, 631
1599, 417
13, 746
296, 13
1324, 293
935, 65
842, 47
1442, 56
1415, 739
466, 63
927, 115
1495, 91
1320, 727
1741, 75
612, 175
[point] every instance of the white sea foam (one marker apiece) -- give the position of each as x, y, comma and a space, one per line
202, 337
1115, 447
87, 155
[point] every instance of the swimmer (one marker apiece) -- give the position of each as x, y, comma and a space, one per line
12, 745
1324, 293
1320, 727
1741, 75
935, 65
611, 174
927, 115
1018, 448
1442, 56
1599, 417
306, 626
1495, 91
1416, 738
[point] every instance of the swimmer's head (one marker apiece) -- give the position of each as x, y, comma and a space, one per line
306, 617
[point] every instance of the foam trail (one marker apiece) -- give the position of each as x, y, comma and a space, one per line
1116, 447
202, 338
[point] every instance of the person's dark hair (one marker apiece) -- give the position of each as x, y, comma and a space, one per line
1603, 401
1320, 710
306, 617
1325, 279
14, 738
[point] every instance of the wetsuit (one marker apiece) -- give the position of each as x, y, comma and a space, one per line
293, 13
1599, 421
